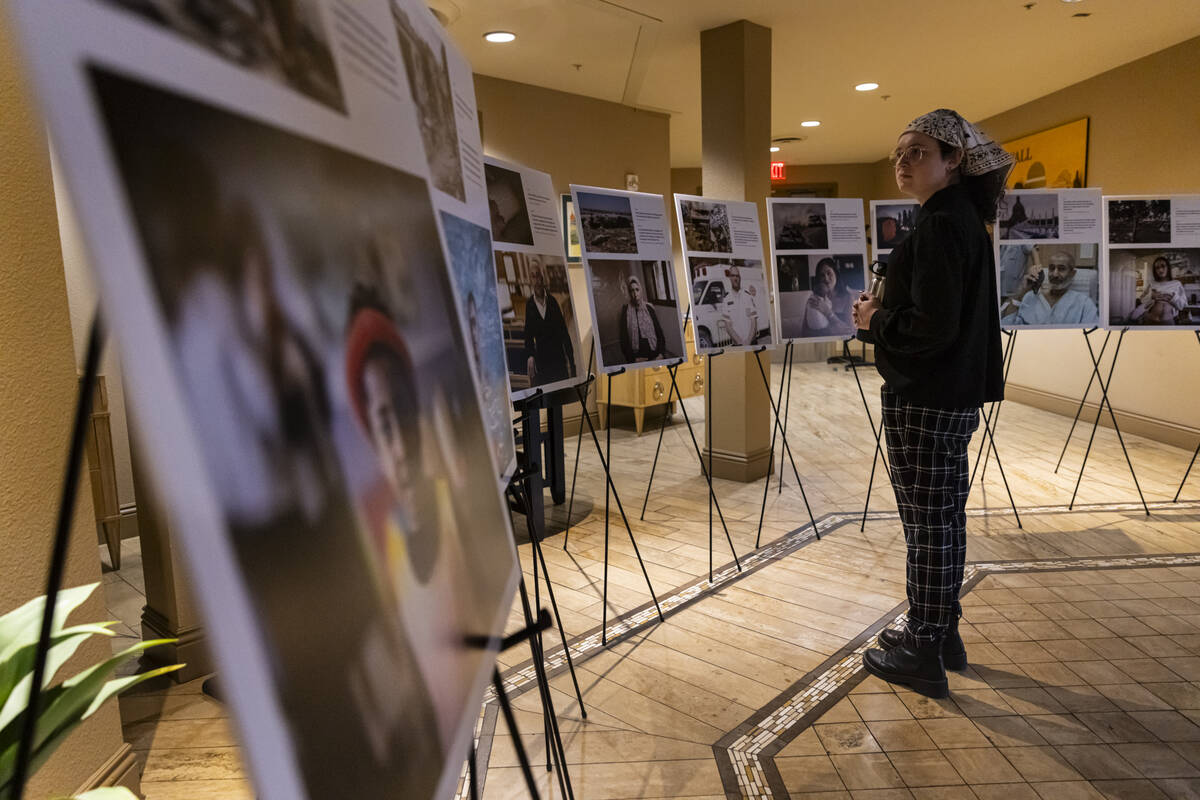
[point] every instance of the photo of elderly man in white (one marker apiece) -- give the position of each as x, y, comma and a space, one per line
1047, 298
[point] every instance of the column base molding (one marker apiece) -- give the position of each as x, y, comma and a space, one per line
191, 648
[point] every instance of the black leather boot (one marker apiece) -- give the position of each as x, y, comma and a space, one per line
954, 652
919, 668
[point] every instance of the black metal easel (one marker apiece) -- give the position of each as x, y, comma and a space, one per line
1104, 401
775, 409
610, 488
790, 357
705, 470
1195, 452
58, 553
1083, 400
989, 429
877, 432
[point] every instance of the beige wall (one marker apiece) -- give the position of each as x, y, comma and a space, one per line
37, 397
1144, 130
1145, 125
577, 140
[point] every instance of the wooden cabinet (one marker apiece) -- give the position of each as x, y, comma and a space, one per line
640, 389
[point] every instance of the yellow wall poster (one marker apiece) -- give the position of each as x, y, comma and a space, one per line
1051, 159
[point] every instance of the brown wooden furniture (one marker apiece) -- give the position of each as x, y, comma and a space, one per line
640, 389
102, 473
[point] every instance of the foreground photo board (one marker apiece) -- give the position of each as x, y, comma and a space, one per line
819, 249
443, 87
891, 223
1153, 254
269, 261
1049, 258
626, 247
541, 331
722, 245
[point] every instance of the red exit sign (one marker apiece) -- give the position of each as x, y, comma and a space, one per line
778, 171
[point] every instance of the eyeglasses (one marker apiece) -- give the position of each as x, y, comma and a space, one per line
913, 154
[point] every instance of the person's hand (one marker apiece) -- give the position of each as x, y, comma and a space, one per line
864, 308
531, 368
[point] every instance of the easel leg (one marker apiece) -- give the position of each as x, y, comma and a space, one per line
1104, 402
661, 430
609, 486
708, 441
511, 721
786, 448
712, 495
876, 432
1083, 400
1195, 452
994, 408
999, 406
774, 433
578, 443
988, 432
554, 743
790, 355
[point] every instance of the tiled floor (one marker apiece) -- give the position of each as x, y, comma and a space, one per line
740, 674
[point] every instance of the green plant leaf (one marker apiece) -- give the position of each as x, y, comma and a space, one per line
18, 698
20, 663
21, 626
67, 704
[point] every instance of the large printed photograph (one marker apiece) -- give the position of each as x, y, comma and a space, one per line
1029, 216
800, 226
469, 248
1049, 285
427, 64
508, 209
1139, 221
893, 223
730, 304
322, 366
635, 311
817, 294
1154, 287
282, 40
607, 223
540, 327
705, 227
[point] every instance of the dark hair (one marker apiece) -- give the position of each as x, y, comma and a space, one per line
1154, 264
985, 190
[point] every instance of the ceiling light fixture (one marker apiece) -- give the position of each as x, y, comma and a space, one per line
810, 123
499, 37
774, 148
866, 87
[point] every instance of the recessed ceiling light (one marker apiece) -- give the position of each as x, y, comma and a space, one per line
866, 87
774, 148
1072, 1
810, 123
499, 37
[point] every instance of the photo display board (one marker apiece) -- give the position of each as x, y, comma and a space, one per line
722, 245
626, 246
819, 249
1153, 245
541, 331
1049, 258
269, 259
891, 223
443, 87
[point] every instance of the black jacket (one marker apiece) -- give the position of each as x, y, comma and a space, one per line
937, 337
547, 340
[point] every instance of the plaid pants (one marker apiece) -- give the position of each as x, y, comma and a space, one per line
927, 448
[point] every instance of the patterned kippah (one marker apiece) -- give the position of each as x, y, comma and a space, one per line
982, 155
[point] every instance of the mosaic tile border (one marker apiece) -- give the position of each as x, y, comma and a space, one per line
745, 756
522, 678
